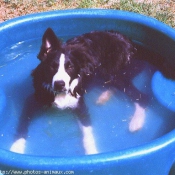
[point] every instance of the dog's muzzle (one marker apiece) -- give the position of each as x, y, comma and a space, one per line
59, 86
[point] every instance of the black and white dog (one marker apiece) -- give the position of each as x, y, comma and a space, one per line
66, 68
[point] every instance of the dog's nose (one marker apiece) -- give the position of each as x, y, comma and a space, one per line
59, 85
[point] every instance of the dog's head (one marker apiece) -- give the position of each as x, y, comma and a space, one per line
56, 73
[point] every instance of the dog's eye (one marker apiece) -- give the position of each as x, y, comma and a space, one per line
70, 67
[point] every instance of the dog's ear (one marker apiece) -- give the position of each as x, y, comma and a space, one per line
50, 42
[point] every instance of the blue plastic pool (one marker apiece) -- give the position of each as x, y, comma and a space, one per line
54, 138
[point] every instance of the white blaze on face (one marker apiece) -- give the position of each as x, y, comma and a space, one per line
65, 99
61, 74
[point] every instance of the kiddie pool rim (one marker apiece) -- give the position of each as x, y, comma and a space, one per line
89, 162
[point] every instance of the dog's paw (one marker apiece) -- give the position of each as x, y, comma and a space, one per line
18, 146
104, 97
138, 119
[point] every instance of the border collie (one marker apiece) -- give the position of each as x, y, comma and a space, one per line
66, 68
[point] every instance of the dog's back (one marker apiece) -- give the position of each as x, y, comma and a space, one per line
108, 49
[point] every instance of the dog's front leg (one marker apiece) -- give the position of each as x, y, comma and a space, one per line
86, 128
30, 108
88, 140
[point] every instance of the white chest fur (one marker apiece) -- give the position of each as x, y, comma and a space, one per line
66, 100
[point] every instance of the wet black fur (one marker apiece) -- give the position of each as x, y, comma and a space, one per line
105, 53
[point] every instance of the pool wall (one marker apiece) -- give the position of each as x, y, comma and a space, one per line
153, 158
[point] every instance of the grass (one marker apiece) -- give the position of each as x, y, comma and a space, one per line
156, 10
162, 10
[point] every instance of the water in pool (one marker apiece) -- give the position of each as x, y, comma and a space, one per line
57, 133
